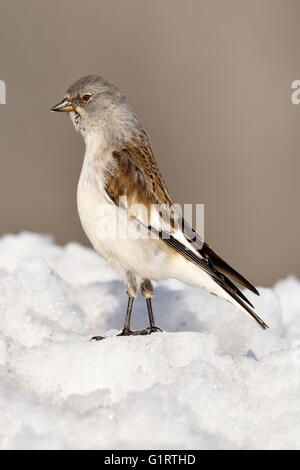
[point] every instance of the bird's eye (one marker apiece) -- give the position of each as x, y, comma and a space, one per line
86, 97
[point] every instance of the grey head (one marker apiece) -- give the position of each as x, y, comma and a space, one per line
95, 105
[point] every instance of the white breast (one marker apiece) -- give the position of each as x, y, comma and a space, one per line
101, 220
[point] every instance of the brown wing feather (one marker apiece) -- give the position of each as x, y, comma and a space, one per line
141, 154
133, 172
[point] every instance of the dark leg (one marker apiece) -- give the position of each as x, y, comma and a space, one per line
126, 330
152, 328
147, 291
150, 312
128, 314
132, 289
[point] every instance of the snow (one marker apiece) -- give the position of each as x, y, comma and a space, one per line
211, 380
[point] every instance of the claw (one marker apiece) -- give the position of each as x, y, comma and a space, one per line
154, 329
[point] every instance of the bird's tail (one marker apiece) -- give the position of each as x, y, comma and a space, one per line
219, 285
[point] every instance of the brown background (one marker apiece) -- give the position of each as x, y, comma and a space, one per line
210, 80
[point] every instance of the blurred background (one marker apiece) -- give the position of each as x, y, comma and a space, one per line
211, 82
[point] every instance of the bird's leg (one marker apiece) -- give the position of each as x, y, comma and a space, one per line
132, 290
147, 291
147, 331
152, 328
128, 314
126, 330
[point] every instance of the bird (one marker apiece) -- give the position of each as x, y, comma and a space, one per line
127, 211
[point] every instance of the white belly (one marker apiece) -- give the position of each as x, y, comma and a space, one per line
102, 220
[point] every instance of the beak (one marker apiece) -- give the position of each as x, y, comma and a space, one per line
64, 106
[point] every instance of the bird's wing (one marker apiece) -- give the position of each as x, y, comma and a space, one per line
207, 252
133, 173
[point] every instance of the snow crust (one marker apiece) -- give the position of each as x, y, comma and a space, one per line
211, 380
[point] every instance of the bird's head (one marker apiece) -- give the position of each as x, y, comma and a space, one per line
93, 103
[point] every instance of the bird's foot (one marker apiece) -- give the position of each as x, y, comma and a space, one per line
126, 332
146, 331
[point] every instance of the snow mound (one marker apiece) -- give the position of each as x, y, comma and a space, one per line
212, 380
